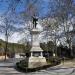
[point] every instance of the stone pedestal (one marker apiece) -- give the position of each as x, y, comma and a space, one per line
36, 59
36, 62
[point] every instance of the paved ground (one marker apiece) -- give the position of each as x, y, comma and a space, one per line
67, 68
53, 71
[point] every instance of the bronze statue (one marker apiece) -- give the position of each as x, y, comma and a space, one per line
34, 22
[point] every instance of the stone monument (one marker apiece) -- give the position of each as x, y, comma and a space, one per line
36, 59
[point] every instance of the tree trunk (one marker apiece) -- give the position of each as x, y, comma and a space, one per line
6, 44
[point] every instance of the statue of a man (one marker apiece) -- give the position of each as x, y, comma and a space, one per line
34, 22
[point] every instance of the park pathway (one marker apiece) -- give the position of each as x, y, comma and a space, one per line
7, 68
12, 71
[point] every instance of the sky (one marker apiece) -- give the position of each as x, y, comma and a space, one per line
4, 5
43, 9
22, 6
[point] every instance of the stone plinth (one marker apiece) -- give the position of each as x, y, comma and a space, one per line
36, 62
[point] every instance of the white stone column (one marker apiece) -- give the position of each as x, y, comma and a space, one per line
41, 54
31, 54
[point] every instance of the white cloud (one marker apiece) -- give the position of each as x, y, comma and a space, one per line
39, 27
15, 37
2, 37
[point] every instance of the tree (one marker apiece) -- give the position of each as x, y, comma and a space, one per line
51, 25
64, 10
7, 27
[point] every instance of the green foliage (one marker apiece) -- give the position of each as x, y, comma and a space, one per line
24, 63
27, 48
47, 47
14, 47
50, 46
43, 46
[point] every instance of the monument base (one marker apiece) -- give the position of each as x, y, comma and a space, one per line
35, 62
